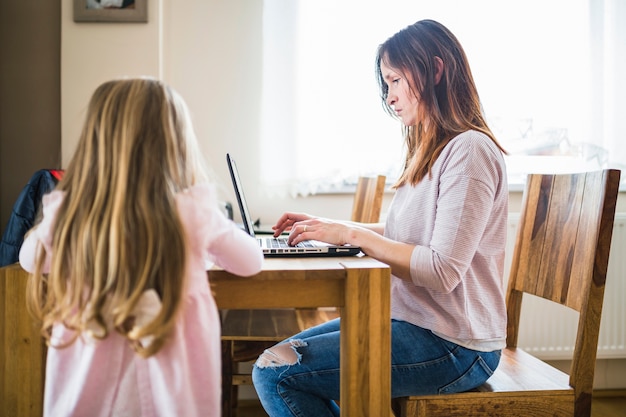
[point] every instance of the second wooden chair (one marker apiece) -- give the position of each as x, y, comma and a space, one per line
561, 254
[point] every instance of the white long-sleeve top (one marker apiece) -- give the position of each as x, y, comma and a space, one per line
458, 219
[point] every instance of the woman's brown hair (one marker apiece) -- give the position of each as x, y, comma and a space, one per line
446, 108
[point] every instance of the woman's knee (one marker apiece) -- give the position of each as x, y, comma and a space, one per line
282, 354
271, 366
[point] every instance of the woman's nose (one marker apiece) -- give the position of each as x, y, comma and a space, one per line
391, 100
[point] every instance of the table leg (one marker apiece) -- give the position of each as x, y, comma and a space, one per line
366, 343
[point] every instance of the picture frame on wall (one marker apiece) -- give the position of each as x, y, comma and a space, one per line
111, 11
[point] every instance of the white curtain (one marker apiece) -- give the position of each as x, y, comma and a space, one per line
608, 80
549, 74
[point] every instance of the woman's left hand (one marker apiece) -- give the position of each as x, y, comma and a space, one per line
319, 229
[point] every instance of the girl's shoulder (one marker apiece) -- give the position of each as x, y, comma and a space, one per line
50, 204
198, 194
197, 204
53, 198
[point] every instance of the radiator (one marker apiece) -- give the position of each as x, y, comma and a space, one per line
549, 331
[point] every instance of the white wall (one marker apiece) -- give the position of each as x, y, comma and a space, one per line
208, 50
92, 53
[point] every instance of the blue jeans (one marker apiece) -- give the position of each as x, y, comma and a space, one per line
302, 379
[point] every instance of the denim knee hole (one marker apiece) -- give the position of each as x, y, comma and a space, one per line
282, 354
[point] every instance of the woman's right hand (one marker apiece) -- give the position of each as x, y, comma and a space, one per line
287, 220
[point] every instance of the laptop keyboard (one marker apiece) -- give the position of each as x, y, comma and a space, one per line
281, 243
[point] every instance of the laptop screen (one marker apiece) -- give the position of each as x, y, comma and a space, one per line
241, 199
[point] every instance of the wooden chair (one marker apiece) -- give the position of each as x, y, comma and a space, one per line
22, 349
247, 333
368, 199
561, 254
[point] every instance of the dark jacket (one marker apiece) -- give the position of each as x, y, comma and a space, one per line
24, 214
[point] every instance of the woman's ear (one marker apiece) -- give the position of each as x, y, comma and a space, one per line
439, 69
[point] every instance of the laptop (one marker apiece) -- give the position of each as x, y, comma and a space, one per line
278, 247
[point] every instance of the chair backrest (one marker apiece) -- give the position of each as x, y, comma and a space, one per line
562, 253
368, 199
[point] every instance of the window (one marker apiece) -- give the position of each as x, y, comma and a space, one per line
548, 74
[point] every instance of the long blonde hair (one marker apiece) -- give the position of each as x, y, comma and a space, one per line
448, 107
118, 232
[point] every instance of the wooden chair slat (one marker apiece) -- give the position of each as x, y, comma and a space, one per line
308, 317
368, 199
556, 257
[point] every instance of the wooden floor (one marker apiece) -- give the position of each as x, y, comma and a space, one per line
602, 406
610, 406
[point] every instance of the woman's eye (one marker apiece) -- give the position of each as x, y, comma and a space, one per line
396, 80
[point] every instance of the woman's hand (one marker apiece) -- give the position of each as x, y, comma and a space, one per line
369, 237
287, 220
306, 227
319, 229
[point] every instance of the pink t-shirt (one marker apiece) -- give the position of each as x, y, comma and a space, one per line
457, 218
106, 378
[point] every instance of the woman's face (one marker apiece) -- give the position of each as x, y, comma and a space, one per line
399, 95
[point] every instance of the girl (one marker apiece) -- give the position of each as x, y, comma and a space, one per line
444, 239
119, 263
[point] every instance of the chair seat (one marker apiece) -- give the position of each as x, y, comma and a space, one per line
521, 382
520, 371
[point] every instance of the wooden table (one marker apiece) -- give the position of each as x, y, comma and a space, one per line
359, 286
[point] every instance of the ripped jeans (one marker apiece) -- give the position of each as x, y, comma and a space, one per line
300, 376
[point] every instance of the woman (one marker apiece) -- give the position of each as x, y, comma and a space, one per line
444, 239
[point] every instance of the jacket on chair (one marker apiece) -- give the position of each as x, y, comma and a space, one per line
24, 213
